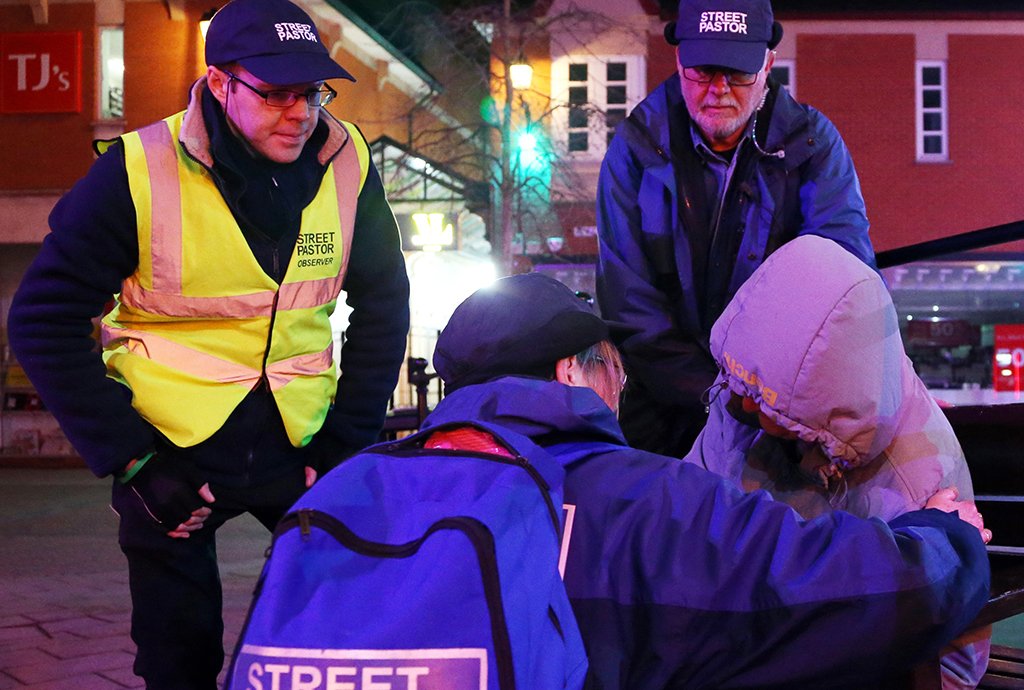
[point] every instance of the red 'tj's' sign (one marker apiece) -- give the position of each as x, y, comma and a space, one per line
41, 72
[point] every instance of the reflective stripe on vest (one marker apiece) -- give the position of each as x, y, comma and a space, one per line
193, 323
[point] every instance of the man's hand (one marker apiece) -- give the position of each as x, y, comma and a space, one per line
198, 517
172, 494
945, 500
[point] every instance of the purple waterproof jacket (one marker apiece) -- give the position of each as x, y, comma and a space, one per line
813, 337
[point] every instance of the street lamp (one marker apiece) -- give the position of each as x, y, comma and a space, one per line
521, 74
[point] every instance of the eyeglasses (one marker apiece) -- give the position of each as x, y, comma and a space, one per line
282, 98
705, 74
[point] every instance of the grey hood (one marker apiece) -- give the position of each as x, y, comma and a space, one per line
813, 337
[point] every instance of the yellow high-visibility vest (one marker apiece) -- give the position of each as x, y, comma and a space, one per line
200, 324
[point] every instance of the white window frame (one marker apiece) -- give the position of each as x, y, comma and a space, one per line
597, 96
789, 64
920, 111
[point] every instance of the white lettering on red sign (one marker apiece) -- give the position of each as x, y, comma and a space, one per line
45, 72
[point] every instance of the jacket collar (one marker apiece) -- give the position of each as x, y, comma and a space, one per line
535, 408
789, 130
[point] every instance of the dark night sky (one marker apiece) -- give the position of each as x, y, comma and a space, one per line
397, 20
860, 7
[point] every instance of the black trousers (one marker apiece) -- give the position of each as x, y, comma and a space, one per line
175, 583
657, 427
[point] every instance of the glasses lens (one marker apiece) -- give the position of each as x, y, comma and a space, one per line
281, 99
705, 75
324, 96
319, 97
698, 74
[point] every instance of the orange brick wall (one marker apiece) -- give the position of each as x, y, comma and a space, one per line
661, 60
162, 59
50, 150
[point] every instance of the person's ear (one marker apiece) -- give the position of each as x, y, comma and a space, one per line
218, 83
568, 371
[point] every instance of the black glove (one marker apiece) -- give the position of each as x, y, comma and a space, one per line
325, 452
168, 490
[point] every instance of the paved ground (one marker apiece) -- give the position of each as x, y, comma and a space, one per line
64, 605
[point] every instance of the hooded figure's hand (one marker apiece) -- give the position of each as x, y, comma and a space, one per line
945, 500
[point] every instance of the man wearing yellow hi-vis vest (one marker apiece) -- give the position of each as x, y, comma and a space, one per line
225, 234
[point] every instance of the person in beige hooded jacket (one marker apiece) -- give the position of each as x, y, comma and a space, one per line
818, 403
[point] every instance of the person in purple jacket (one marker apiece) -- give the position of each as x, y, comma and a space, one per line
818, 403
677, 578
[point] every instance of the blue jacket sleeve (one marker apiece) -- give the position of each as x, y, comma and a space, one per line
670, 363
734, 590
92, 246
377, 289
831, 201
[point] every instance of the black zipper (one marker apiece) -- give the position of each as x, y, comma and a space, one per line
270, 331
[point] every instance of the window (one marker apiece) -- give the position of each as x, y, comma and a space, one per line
579, 107
597, 94
784, 72
111, 103
615, 100
932, 114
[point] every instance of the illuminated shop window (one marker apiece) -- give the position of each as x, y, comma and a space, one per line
111, 72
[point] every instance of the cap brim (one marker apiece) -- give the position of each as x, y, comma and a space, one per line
294, 68
742, 56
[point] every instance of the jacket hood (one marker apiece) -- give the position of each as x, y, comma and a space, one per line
813, 337
532, 407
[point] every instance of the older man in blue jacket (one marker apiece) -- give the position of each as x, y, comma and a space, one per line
716, 168
677, 578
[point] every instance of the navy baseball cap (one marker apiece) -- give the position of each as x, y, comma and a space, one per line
519, 325
726, 33
274, 39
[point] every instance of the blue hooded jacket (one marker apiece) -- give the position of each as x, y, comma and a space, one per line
680, 580
805, 184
